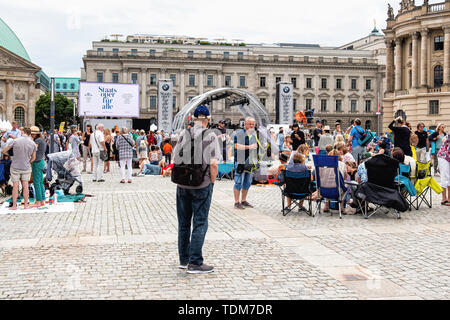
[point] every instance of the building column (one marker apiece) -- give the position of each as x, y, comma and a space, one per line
144, 88
390, 65
423, 61
125, 75
447, 55
31, 104
201, 81
221, 103
398, 64
182, 88
415, 60
9, 98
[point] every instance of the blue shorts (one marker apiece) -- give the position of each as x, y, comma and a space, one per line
242, 180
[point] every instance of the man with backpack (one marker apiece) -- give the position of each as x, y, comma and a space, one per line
196, 165
354, 140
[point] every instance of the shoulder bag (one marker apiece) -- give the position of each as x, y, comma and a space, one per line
103, 153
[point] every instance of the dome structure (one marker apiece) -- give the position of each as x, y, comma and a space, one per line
10, 41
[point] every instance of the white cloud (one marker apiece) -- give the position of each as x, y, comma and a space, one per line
57, 34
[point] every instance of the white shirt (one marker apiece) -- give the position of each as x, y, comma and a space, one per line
97, 145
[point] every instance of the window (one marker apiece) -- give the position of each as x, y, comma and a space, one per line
368, 105
308, 83
438, 43
72, 86
208, 54
263, 101
190, 98
192, 79
100, 50
174, 102
115, 52
64, 85
438, 76
152, 102
353, 84
338, 83
260, 57
410, 49
190, 54
173, 77
368, 84
353, 105
115, 77
242, 81
306, 59
294, 82
227, 81
308, 104
291, 58
294, 103
226, 55
153, 79
58, 86
262, 82
434, 107
338, 105
99, 76
19, 116
152, 52
324, 83
210, 80
323, 105
240, 56
410, 78
134, 78
134, 52
277, 79
275, 58
368, 125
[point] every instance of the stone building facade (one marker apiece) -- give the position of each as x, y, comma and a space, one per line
418, 64
340, 85
18, 93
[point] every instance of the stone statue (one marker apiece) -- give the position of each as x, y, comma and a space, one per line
390, 12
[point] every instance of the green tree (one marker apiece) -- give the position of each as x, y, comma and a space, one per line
63, 111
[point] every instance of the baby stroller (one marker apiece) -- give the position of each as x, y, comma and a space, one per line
68, 172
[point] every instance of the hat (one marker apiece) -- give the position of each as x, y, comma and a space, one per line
284, 157
35, 130
327, 128
222, 121
202, 112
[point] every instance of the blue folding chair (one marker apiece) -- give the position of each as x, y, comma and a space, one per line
329, 181
226, 170
297, 187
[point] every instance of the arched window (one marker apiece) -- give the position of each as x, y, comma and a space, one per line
368, 125
19, 116
438, 76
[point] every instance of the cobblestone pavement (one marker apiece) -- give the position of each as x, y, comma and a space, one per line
122, 244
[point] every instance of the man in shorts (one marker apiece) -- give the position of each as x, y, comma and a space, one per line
24, 154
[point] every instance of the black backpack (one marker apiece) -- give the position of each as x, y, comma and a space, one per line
190, 175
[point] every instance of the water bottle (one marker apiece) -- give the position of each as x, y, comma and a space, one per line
55, 198
47, 195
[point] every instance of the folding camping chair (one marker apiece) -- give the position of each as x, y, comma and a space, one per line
297, 187
407, 188
381, 188
424, 184
329, 181
226, 170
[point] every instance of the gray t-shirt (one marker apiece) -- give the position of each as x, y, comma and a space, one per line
23, 148
210, 149
41, 147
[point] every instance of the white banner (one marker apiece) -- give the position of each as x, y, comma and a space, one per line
108, 100
286, 103
165, 105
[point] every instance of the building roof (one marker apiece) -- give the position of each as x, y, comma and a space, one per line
375, 32
10, 41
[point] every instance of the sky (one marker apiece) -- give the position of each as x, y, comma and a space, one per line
56, 34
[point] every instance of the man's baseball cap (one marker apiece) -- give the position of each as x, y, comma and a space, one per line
202, 112
222, 121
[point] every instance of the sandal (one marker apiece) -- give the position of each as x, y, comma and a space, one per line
444, 203
129, 181
122, 181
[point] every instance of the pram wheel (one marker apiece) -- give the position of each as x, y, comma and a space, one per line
79, 189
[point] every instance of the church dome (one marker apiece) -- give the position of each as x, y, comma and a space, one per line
9, 40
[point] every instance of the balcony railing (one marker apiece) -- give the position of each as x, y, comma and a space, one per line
434, 90
402, 92
436, 7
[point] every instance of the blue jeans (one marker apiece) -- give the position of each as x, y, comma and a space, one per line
357, 150
150, 169
242, 180
192, 206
